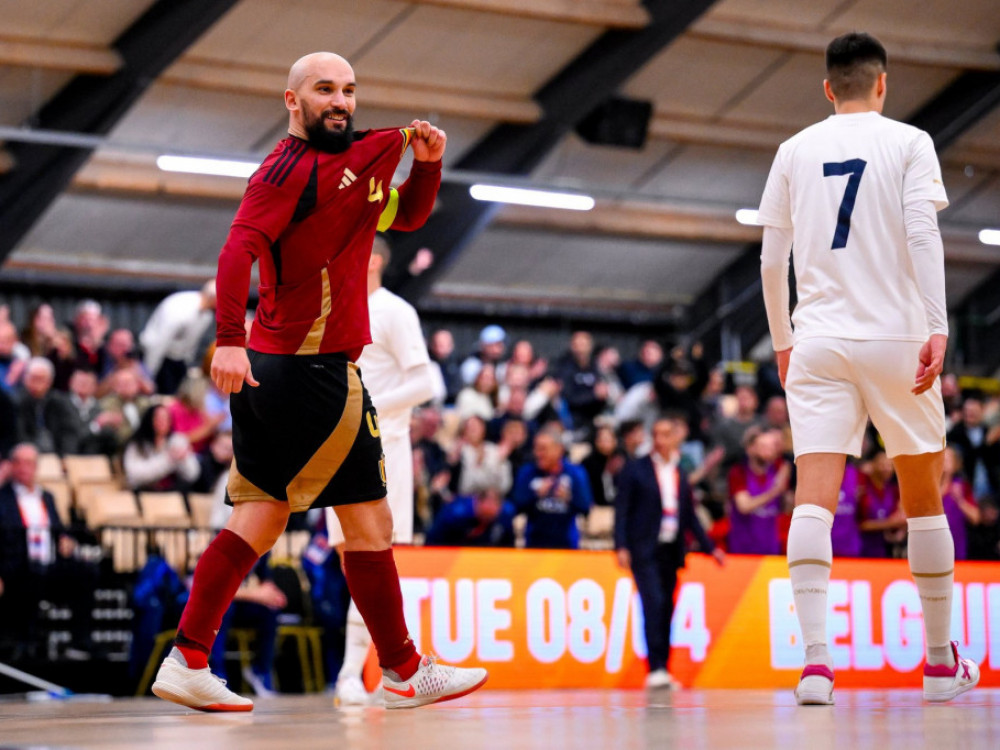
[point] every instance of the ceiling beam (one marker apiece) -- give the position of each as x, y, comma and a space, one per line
138, 176
264, 81
94, 105
591, 78
792, 39
47, 54
604, 13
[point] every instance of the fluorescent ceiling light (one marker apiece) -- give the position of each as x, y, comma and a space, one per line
199, 165
524, 197
989, 236
747, 216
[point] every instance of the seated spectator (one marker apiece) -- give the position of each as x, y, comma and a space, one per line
603, 464
480, 463
607, 360
63, 357
758, 494
492, 345
330, 599
126, 403
480, 398
96, 428
882, 519
633, 439
441, 348
960, 506
643, 368
846, 534
45, 416
679, 383
121, 354
189, 415
514, 444
980, 455
89, 328
729, 432
8, 430
36, 557
40, 330
552, 492
215, 463
511, 408
13, 357
523, 354
157, 458
481, 520
583, 389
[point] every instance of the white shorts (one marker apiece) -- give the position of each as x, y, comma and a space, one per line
399, 492
834, 385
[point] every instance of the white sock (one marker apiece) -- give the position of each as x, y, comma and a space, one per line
356, 644
931, 551
810, 555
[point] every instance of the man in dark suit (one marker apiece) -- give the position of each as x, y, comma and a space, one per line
35, 553
45, 416
654, 511
980, 454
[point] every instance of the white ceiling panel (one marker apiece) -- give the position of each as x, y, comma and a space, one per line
467, 50
92, 21
713, 175
966, 23
576, 163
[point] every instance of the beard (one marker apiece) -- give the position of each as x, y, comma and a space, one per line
330, 141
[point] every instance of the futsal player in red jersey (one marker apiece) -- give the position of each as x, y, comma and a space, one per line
305, 434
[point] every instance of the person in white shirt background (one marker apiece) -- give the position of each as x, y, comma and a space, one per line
398, 375
173, 334
854, 198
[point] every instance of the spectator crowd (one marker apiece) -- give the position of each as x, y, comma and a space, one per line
516, 449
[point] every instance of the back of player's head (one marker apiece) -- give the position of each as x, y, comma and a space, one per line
380, 248
853, 63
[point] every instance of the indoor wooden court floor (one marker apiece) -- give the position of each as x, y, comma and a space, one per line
515, 720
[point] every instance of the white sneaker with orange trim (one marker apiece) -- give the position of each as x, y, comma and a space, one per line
431, 683
196, 688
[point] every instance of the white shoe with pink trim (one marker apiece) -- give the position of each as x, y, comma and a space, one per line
815, 686
943, 683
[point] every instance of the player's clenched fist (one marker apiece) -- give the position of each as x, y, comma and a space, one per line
231, 368
428, 141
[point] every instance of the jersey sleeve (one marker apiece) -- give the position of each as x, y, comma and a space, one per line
922, 178
407, 340
775, 205
274, 190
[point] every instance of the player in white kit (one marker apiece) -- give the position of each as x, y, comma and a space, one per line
854, 198
397, 372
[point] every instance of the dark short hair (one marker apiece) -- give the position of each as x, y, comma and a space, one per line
853, 62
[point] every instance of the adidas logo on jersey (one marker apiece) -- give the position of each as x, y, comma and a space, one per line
348, 179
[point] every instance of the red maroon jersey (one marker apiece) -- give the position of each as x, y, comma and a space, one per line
309, 218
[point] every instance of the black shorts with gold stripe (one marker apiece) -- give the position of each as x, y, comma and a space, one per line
307, 435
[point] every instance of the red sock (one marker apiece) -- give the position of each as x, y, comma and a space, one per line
218, 575
374, 584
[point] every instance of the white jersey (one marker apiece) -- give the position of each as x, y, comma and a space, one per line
397, 345
841, 185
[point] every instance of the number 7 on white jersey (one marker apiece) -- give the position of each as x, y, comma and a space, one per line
855, 168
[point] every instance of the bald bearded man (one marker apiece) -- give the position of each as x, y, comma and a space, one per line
305, 434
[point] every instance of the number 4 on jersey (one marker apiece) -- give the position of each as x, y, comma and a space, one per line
855, 168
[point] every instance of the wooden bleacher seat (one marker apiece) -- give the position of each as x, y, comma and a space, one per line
50, 468
202, 505
83, 469
113, 508
164, 509
601, 522
85, 493
63, 496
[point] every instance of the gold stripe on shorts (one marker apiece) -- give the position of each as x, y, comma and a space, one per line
934, 575
319, 470
824, 563
242, 490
